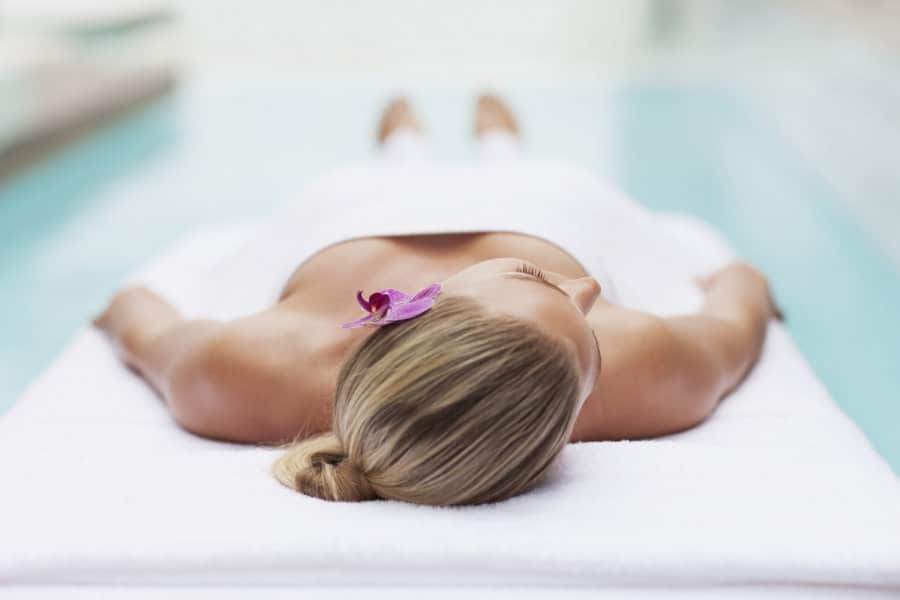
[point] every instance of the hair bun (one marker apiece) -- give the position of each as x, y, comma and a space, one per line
319, 466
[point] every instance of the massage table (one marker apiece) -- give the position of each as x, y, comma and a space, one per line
778, 492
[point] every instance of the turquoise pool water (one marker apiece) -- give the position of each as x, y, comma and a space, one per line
707, 153
74, 225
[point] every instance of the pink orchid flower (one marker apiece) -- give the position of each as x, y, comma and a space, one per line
390, 305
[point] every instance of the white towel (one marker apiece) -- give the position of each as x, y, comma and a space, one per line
777, 488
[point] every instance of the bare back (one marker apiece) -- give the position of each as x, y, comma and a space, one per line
314, 301
271, 376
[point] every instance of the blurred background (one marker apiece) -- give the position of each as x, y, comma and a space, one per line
124, 124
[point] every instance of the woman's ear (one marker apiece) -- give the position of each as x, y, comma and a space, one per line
584, 291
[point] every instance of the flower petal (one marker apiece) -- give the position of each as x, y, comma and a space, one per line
395, 296
430, 292
409, 310
361, 322
363, 302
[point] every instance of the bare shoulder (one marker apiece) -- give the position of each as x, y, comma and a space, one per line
262, 378
651, 382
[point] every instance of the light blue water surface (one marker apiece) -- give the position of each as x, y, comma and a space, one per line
74, 225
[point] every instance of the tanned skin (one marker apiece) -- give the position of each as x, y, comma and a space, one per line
268, 377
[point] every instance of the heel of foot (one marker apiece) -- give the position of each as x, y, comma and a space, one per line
397, 114
493, 114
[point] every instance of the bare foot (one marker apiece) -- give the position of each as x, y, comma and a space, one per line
398, 113
493, 113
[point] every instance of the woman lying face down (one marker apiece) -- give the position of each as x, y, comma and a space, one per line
462, 393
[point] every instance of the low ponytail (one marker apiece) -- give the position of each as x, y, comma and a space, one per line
318, 466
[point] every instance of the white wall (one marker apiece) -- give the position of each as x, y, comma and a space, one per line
463, 39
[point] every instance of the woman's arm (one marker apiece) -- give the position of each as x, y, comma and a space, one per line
238, 381
663, 375
150, 336
734, 320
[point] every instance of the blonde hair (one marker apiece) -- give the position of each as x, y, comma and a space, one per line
457, 406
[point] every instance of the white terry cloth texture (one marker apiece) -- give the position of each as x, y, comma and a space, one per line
777, 490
